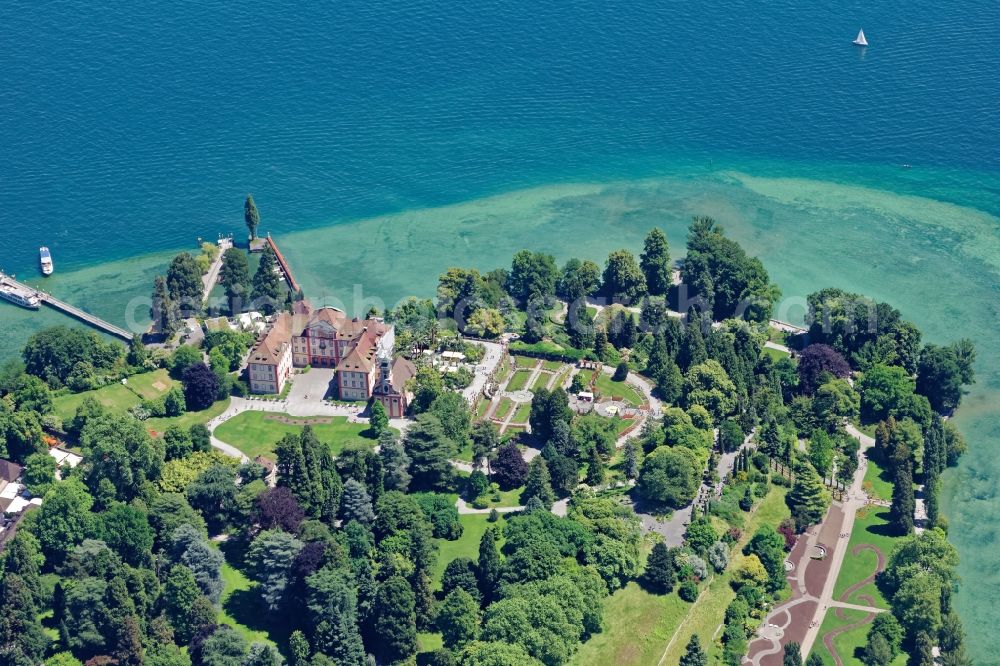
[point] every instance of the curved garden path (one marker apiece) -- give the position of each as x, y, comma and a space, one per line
879, 567
846, 594
830, 635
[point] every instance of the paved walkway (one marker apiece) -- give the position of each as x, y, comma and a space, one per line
775, 345
483, 370
813, 580
209, 279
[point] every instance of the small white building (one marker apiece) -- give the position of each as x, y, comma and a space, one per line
64, 457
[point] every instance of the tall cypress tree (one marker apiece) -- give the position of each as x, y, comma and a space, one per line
423, 600
163, 311
266, 286
235, 277
630, 460
488, 570
601, 342
807, 500
658, 359
932, 491
655, 262
693, 350
660, 574
595, 468
903, 503
251, 216
539, 483
292, 472
395, 621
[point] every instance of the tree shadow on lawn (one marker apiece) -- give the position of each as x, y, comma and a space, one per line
885, 529
247, 609
234, 549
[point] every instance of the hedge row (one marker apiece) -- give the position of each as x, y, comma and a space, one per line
551, 352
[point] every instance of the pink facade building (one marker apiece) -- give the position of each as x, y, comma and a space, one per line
360, 350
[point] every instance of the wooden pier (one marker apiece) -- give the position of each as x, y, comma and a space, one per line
75, 312
283, 265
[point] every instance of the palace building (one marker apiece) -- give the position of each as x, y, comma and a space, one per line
360, 350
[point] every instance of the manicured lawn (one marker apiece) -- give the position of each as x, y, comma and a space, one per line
607, 388
622, 425
522, 413
151, 385
114, 397
551, 366
256, 433
465, 453
481, 408
503, 409
850, 643
870, 527
507, 498
429, 642
118, 399
877, 482
188, 419
474, 526
775, 354
525, 361
505, 368
519, 380
239, 599
541, 381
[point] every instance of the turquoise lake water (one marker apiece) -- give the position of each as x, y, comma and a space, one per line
385, 141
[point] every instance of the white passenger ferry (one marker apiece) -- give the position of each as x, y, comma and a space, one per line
16, 293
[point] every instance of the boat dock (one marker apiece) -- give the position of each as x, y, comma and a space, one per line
72, 310
283, 265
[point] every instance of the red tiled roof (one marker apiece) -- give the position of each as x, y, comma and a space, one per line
275, 340
9, 471
362, 356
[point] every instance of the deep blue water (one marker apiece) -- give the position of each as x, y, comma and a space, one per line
126, 127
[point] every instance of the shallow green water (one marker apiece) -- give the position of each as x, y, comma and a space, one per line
938, 262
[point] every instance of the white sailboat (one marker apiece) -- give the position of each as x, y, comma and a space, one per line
860, 39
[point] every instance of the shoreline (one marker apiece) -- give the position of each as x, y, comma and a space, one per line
859, 246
